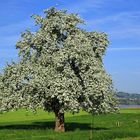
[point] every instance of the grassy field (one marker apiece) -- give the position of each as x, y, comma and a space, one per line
22, 125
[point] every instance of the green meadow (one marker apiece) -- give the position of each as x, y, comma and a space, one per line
22, 125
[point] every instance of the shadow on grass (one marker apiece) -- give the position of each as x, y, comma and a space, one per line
50, 125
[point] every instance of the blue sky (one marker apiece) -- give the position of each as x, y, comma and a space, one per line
120, 19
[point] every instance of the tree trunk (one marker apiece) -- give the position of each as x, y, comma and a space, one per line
59, 122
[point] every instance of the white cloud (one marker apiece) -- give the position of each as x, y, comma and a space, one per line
17, 27
124, 49
82, 6
129, 32
8, 40
121, 25
136, 73
9, 34
8, 53
122, 16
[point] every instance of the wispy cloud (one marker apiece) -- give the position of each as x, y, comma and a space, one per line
136, 73
8, 53
8, 41
124, 49
9, 34
128, 32
16, 28
122, 16
121, 25
83, 6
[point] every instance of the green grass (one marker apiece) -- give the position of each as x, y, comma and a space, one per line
22, 125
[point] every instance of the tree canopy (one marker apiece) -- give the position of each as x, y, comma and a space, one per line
60, 68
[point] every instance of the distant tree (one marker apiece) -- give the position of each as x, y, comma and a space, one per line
60, 69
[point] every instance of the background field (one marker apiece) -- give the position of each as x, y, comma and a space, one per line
22, 125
